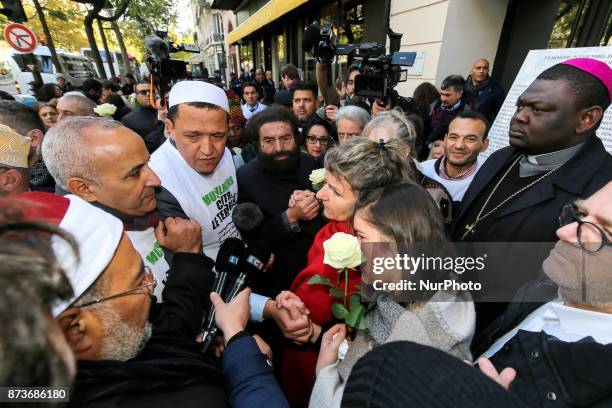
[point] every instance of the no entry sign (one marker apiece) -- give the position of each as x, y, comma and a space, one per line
20, 37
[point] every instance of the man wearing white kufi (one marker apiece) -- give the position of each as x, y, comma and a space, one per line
197, 173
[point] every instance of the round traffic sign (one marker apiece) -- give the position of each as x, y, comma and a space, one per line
20, 37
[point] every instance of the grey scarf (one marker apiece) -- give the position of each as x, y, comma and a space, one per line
445, 322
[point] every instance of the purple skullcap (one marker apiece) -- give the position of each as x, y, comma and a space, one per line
598, 69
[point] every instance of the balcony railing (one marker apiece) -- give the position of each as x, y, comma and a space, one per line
214, 38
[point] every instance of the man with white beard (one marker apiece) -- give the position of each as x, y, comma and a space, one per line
125, 356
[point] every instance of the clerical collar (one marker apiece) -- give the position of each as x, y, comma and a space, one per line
531, 165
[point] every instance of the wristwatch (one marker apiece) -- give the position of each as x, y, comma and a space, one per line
295, 228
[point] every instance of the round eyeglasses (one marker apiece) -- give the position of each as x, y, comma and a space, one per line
590, 236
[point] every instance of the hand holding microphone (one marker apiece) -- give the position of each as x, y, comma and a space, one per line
227, 266
252, 262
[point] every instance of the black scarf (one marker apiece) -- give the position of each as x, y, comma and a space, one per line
167, 364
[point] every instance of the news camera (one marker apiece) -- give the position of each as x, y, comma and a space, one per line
162, 67
379, 72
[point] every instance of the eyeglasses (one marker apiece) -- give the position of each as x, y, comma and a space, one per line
150, 283
284, 140
324, 140
586, 230
143, 92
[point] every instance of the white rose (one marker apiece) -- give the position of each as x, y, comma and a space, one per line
106, 109
317, 176
342, 251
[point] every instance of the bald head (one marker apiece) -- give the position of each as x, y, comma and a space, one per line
74, 104
480, 71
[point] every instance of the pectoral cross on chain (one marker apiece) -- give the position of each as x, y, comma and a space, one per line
469, 229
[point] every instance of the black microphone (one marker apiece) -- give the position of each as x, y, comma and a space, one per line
252, 263
228, 259
247, 217
310, 38
255, 258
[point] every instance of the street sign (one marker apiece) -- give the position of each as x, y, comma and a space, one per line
191, 48
20, 37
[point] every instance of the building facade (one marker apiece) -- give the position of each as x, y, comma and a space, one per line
212, 27
448, 35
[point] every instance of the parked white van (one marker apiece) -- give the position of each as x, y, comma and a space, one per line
75, 67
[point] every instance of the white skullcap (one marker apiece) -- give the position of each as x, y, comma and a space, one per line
197, 91
96, 232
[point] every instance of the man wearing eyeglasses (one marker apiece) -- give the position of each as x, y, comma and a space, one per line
562, 351
269, 181
554, 157
126, 357
142, 120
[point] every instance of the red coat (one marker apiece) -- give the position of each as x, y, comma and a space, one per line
298, 370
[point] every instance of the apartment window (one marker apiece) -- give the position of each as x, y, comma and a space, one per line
217, 24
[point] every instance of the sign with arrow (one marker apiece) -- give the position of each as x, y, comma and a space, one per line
20, 37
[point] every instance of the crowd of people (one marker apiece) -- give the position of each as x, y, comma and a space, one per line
116, 227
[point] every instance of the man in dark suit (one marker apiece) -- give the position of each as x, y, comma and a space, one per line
554, 158
269, 181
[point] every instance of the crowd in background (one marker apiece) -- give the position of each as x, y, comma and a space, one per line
122, 208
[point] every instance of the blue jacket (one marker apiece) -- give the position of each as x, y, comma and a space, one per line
250, 379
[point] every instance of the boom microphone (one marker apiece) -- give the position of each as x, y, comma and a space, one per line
247, 218
157, 47
310, 38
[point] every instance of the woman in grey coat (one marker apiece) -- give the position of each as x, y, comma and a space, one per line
443, 319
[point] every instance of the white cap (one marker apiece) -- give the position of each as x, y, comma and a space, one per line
96, 232
197, 91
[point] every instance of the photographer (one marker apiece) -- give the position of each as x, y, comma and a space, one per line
330, 94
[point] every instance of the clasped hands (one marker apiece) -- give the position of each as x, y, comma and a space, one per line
292, 317
303, 206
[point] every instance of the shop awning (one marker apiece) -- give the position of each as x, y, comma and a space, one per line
265, 15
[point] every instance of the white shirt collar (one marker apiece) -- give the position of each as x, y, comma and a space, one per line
584, 322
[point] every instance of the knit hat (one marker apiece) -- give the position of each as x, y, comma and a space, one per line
598, 69
14, 148
197, 91
96, 232
405, 374
235, 109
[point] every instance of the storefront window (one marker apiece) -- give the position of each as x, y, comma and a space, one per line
607, 38
246, 56
262, 54
280, 49
574, 28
